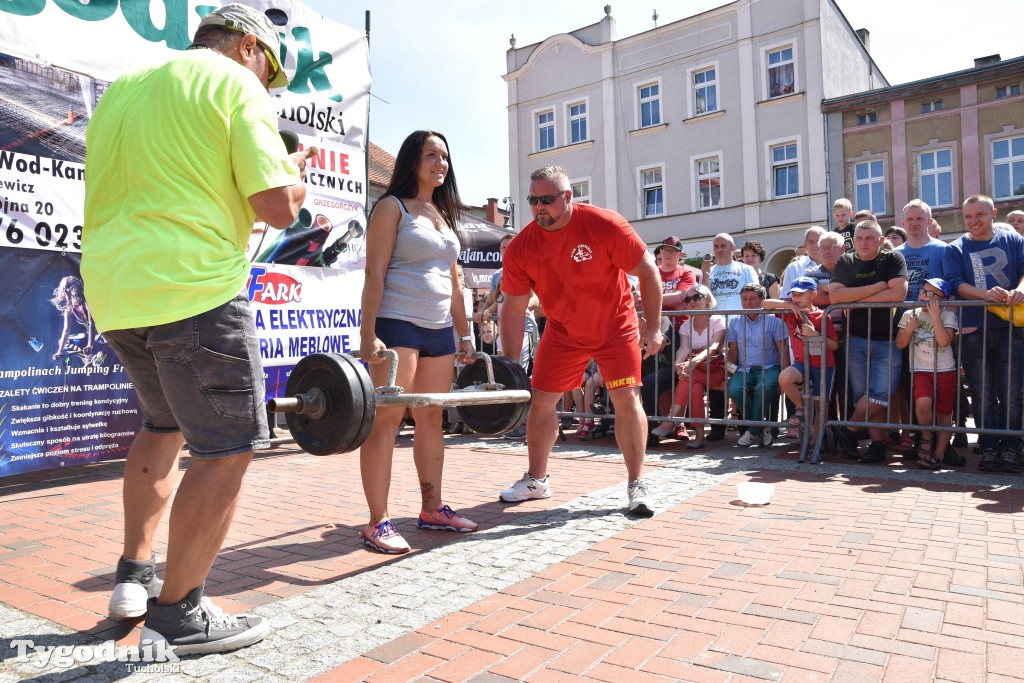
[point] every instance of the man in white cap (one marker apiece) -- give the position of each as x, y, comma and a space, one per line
181, 160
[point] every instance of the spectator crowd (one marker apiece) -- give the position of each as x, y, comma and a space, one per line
903, 358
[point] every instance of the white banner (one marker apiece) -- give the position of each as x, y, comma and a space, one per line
57, 57
325, 61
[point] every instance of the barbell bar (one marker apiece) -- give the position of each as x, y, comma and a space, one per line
331, 404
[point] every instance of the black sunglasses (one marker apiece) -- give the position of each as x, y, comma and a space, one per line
544, 199
696, 297
271, 64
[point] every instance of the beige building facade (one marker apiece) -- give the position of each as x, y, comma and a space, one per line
939, 139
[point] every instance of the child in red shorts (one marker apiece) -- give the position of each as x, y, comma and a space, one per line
930, 328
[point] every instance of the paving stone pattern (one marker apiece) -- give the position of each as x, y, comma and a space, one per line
853, 572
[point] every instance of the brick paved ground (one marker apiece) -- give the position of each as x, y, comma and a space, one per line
853, 573
838, 579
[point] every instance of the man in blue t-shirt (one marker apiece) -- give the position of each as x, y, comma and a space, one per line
921, 251
987, 264
923, 254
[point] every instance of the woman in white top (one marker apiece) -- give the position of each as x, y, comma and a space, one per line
700, 363
413, 304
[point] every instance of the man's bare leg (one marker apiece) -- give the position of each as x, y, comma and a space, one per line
630, 429
150, 473
541, 431
200, 519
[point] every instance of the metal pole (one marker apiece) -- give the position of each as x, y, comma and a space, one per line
366, 152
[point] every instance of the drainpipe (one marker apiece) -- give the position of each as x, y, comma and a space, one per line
828, 176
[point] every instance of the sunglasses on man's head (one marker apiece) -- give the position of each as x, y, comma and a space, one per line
544, 199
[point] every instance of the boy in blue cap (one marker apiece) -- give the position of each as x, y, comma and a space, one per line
930, 329
806, 325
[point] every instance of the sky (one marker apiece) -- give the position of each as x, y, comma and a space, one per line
439, 64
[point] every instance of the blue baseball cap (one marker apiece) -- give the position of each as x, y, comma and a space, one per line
804, 284
941, 285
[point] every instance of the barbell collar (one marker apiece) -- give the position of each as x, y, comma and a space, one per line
312, 403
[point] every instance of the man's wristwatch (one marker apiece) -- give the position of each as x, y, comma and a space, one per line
468, 338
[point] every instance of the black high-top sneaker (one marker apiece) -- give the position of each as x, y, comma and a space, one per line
195, 625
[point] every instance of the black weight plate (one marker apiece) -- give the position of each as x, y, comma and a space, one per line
350, 404
369, 400
495, 418
522, 382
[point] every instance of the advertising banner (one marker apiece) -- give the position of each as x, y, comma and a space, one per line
64, 398
300, 311
480, 255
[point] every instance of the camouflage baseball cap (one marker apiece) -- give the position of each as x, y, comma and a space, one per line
245, 19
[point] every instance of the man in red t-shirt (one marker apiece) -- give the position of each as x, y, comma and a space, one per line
575, 257
676, 278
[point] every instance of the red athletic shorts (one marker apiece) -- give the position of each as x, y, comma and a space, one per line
559, 363
944, 385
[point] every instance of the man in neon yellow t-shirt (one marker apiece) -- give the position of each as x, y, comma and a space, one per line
181, 160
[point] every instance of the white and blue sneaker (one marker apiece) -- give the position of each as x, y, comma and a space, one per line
526, 488
639, 499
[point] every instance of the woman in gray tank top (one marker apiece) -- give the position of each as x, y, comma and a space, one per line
413, 304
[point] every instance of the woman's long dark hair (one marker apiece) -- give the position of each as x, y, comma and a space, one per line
403, 181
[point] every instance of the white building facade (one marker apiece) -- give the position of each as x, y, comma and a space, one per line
706, 125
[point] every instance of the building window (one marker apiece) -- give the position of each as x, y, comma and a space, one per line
1007, 91
705, 89
546, 130
581, 191
934, 105
709, 184
935, 169
650, 105
577, 122
870, 184
653, 192
781, 78
1008, 167
785, 170
869, 117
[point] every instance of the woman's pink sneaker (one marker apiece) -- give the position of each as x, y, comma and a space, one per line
385, 538
445, 519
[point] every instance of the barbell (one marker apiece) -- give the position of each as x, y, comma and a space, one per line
331, 403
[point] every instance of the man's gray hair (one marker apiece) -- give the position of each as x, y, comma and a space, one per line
831, 238
555, 174
814, 230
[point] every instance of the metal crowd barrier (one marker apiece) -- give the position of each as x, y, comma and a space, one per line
820, 402
1015, 365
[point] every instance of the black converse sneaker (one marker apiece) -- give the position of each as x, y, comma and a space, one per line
195, 625
135, 584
